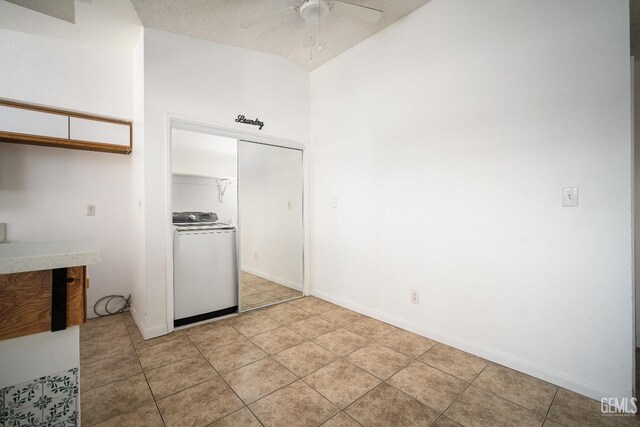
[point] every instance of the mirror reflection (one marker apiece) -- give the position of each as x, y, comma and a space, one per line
270, 197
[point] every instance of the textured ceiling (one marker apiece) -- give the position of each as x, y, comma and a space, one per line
220, 20
61, 9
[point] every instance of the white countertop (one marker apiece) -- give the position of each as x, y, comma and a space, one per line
18, 257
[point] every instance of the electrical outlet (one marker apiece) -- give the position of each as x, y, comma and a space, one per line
570, 197
415, 296
91, 210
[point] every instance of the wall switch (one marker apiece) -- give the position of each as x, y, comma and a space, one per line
91, 210
289, 204
415, 296
334, 203
255, 256
570, 197
3, 232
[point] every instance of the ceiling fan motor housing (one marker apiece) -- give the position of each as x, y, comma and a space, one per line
314, 10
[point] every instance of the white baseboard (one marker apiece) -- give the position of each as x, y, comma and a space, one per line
278, 280
147, 333
557, 378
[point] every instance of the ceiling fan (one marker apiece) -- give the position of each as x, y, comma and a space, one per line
315, 11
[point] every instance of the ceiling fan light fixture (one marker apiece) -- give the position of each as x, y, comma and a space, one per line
314, 10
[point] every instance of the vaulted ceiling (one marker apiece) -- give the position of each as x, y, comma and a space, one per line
220, 21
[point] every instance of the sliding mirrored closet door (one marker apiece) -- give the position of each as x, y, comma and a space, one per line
270, 198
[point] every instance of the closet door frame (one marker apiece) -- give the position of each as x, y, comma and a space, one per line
177, 121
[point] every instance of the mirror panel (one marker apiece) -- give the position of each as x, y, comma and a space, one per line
270, 198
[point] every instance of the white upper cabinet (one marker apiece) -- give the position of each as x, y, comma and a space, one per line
99, 131
30, 122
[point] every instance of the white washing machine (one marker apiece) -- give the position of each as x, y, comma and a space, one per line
205, 268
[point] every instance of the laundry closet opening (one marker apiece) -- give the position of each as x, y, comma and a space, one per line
236, 224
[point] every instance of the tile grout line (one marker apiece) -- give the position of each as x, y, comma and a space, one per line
370, 341
550, 405
461, 393
298, 378
144, 372
155, 402
430, 349
344, 357
145, 378
412, 361
225, 381
489, 363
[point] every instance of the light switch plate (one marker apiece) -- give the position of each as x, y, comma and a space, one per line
570, 197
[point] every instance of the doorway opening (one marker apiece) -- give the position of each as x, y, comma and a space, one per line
236, 237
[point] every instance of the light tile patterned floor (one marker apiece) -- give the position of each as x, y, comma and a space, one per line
307, 363
258, 292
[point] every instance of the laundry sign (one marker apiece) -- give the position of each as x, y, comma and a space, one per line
242, 119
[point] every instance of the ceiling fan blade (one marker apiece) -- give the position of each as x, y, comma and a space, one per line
355, 11
310, 34
273, 16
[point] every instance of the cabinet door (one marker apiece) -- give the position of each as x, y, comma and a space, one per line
99, 132
25, 303
76, 296
30, 122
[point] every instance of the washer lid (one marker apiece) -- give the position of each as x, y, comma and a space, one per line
191, 226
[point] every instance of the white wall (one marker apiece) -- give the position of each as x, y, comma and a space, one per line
44, 191
205, 159
208, 83
270, 194
34, 356
200, 153
137, 232
446, 139
197, 193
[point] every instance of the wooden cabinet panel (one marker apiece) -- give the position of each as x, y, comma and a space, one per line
99, 132
32, 122
76, 313
25, 303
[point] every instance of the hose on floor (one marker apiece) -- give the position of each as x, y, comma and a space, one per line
124, 305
